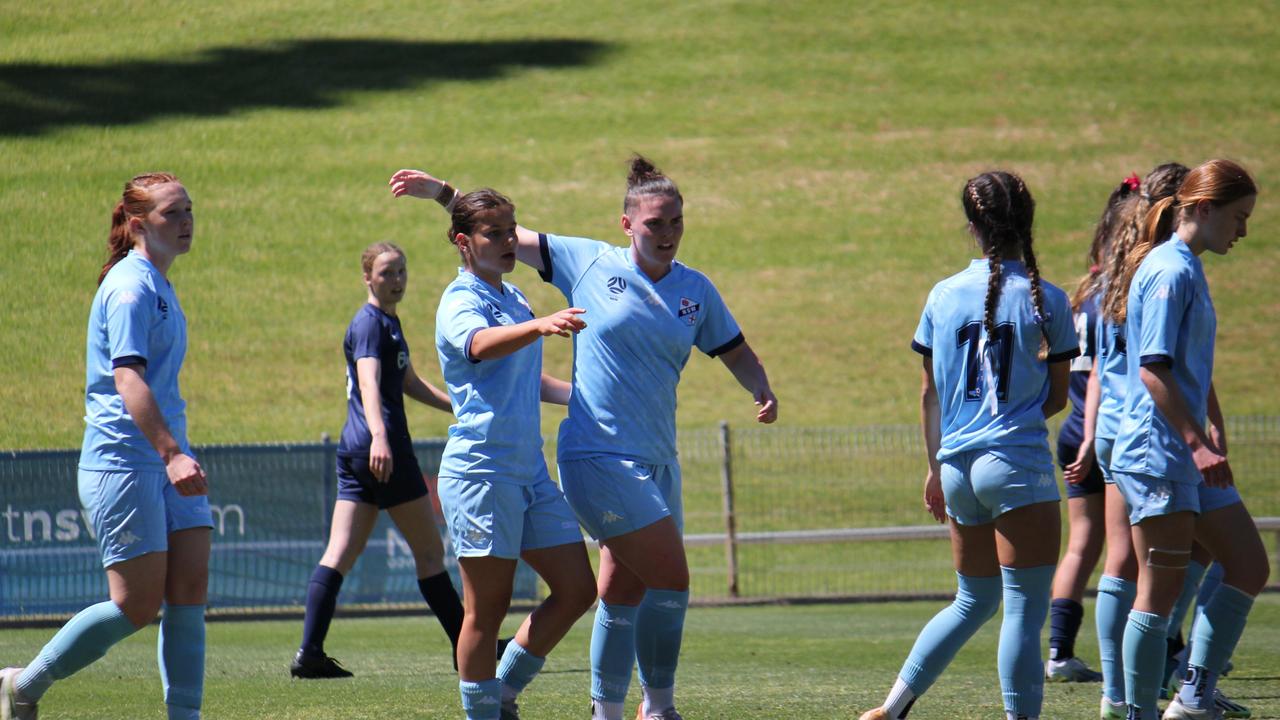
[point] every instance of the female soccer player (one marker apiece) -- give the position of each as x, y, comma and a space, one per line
1173, 474
988, 387
377, 469
498, 498
1116, 587
617, 448
142, 488
1085, 507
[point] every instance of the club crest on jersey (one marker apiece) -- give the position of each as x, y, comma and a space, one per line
616, 286
688, 311
498, 315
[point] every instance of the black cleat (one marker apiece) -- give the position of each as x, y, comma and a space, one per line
502, 645
317, 667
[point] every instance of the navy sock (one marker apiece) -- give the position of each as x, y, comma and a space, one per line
1065, 616
322, 601
443, 600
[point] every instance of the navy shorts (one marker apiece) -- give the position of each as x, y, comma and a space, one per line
1092, 484
357, 483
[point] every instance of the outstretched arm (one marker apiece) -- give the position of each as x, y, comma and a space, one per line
502, 340
746, 368
416, 183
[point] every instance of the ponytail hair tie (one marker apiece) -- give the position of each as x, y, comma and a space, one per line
1133, 182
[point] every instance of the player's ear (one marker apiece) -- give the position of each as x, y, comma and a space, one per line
626, 224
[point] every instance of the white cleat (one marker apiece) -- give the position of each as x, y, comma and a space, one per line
1178, 711
1112, 710
1072, 669
10, 708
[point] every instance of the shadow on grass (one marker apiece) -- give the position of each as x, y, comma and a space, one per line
305, 74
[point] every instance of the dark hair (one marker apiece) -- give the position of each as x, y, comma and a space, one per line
1113, 216
1002, 210
1218, 182
645, 179
372, 252
1160, 183
134, 202
466, 210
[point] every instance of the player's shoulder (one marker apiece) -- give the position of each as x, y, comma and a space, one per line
131, 276
691, 277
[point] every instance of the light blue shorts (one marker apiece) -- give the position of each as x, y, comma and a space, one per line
980, 486
133, 512
1102, 455
613, 496
491, 518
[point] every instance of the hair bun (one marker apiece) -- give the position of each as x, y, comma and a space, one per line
642, 171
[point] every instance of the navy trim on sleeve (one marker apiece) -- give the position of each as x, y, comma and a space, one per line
545, 249
1146, 360
924, 350
129, 360
1068, 355
735, 342
466, 346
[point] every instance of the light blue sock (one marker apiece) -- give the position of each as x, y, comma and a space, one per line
1115, 600
1190, 587
85, 638
659, 630
977, 599
1144, 649
481, 700
613, 651
517, 669
1026, 605
1217, 633
181, 654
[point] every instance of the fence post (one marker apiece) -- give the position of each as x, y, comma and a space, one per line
730, 520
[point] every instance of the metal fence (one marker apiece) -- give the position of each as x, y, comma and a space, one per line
771, 512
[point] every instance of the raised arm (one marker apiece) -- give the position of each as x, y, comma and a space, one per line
748, 371
184, 472
1209, 459
416, 183
424, 392
502, 340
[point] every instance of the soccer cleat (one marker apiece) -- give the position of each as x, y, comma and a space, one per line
10, 708
1178, 711
1113, 711
668, 714
502, 645
1230, 708
317, 667
510, 711
874, 714
1072, 669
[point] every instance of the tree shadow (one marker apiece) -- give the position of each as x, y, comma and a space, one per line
313, 73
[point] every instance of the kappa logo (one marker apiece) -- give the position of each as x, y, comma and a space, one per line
486, 700
670, 605
616, 285
610, 517
476, 535
128, 297
1159, 494
1046, 480
127, 538
1163, 292
688, 311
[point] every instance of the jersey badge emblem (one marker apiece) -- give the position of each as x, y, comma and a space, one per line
616, 286
688, 311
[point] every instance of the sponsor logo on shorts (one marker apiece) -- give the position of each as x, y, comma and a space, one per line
476, 536
127, 538
1159, 495
1046, 480
609, 517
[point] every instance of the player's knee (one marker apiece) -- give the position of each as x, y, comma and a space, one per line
190, 589
979, 603
140, 609
579, 596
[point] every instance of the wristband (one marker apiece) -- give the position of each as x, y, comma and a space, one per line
447, 197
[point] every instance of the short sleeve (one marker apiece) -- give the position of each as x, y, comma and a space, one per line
366, 336
717, 332
1060, 328
131, 313
922, 341
462, 315
1165, 296
565, 259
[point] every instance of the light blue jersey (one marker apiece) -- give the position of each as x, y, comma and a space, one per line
135, 319
1112, 376
498, 434
627, 362
1170, 320
950, 331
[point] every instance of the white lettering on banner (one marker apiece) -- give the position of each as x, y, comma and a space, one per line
66, 525
399, 554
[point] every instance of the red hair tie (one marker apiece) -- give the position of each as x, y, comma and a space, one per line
1133, 182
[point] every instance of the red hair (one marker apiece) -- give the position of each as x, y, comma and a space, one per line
135, 202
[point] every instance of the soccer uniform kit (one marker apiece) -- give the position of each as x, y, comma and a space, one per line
1071, 434
1113, 370
494, 487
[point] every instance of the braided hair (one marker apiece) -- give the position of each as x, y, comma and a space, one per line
1108, 225
1160, 183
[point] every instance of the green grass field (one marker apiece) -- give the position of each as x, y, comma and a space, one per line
820, 145
781, 663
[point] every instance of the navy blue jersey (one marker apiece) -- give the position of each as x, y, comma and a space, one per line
375, 334
1086, 320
